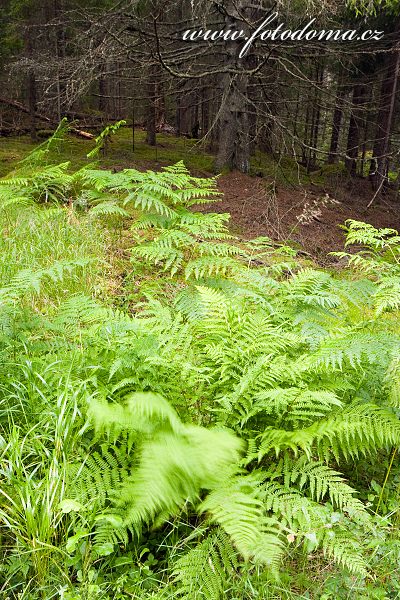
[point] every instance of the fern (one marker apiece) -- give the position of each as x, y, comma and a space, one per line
243, 396
204, 571
104, 138
49, 183
238, 508
108, 208
27, 281
39, 155
356, 431
392, 381
345, 552
174, 467
387, 296
320, 480
97, 476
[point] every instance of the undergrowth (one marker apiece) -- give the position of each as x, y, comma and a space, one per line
232, 432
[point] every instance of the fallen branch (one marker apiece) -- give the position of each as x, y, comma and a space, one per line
41, 117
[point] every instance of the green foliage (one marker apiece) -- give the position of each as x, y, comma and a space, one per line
225, 427
204, 571
379, 258
170, 150
372, 7
103, 140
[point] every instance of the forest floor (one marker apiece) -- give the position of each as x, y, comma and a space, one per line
277, 199
308, 215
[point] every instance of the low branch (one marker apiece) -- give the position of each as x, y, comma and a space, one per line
41, 117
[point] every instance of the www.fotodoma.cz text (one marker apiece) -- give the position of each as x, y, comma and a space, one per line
279, 33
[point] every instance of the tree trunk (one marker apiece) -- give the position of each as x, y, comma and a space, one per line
305, 150
385, 118
160, 107
31, 84
151, 110
366, 123
316, 114
233, 150
194, 120
204, 113
295, 119
32, 103
336, 123
133, 125
353, 138
60, 43
103, 101
116, 86
178, 119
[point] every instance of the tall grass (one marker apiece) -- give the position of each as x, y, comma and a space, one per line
34, 238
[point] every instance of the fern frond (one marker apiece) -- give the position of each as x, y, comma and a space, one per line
27, 281
345, 551
238, 508
392, 381
201, 302
198, 223
99, 475
144, 412
107, 208
357, 430
219, 249
80, 310
169, 258
292, 405
203, 572
321, 481
358, 232
174, 238
148, 201
314, 288
174, 468
210, 266
387, 296
349, 350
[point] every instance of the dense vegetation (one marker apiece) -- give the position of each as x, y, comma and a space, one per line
185, 414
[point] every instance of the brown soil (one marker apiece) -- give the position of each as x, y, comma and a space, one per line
260, 208
299, 215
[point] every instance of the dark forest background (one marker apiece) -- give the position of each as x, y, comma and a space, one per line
101, 61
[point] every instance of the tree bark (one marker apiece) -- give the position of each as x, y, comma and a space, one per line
204, 124
32, 103
178, 119
385, 118
103, 101
60, 43
336, 123
150, 114
160, 107
316, 113
234, 150
31, 83
353, 138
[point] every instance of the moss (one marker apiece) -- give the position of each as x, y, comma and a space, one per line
170, 149
284, 170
